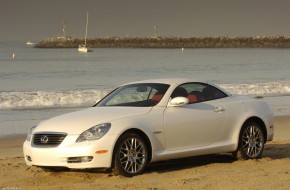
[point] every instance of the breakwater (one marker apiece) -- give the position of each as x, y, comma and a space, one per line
169, 42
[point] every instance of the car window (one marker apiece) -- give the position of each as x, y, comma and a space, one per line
198, 92
217, 93
138, 95
131, 94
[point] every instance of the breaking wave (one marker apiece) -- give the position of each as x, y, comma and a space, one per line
261, 89
78, 98
41, 99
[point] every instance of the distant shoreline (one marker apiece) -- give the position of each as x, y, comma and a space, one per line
169, 42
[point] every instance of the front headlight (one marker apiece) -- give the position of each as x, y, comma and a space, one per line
94, 133
29, 134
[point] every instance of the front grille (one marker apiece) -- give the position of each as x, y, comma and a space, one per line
48, 139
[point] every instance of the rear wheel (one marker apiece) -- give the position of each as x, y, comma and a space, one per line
251, 142
130, 156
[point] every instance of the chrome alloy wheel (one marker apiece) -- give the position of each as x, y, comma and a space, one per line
252, 141
132, 155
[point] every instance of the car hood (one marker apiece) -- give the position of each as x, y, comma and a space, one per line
78, 122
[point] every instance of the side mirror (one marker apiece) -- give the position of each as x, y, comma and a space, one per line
179, 101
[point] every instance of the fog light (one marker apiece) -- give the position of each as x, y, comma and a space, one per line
86, 158
81, 159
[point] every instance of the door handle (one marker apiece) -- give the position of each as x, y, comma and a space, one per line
219, 109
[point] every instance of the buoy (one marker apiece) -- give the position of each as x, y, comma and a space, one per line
13, 55
182, 49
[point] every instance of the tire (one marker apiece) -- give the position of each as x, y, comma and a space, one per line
130, 155
251, 142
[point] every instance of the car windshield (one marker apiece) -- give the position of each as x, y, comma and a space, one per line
137, 95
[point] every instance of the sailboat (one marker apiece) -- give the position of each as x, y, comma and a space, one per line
29, 43
85, 48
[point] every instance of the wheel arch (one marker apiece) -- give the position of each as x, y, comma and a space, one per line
240, 153
260, 122
143, 135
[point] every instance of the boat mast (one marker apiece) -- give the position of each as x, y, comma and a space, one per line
86, 28
63, 24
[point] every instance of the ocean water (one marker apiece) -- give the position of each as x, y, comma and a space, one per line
41, 83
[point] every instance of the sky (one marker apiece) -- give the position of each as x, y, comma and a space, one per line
35, 20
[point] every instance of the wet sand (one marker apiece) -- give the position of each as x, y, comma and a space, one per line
272, 171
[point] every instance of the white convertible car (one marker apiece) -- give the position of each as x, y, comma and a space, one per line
149, 121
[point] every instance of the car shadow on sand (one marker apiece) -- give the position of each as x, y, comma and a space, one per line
190, 162
277, 151
272, 151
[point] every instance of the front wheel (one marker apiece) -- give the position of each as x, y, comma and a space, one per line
130, 156
251, 142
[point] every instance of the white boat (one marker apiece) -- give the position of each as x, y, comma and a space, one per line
29, 43
85, 48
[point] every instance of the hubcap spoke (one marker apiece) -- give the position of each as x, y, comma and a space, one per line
252, 141
132, 155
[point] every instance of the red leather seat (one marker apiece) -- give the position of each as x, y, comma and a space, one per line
191, 98
157, 97
195, 96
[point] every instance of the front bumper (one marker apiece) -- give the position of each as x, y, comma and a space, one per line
270, 133
59, 156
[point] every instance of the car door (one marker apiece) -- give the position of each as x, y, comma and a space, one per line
199, 123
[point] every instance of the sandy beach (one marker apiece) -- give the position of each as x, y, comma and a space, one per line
272, 171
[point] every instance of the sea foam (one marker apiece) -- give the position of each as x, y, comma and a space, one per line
263, 89
41, 99
72, 98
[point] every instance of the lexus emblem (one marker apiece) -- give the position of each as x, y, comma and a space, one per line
44, 139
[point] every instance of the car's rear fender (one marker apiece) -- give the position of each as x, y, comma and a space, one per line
253, 111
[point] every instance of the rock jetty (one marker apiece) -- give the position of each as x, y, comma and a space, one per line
169, 42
